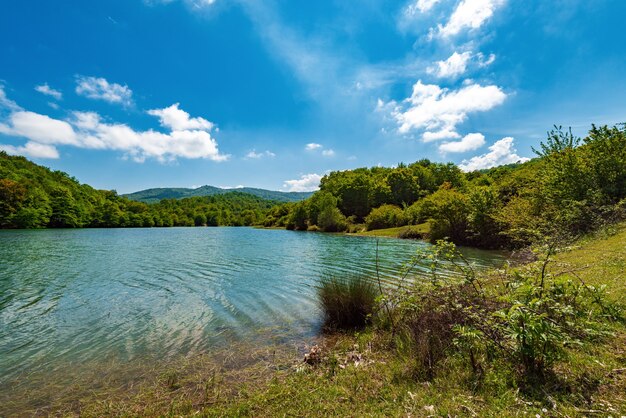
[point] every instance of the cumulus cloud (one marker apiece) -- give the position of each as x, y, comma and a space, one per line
49, 91
501, 152
253, 155
176, 119
469, 142
306, 183
455, 65
95, 133
89, 130
469, 14
437, 111
32, 149
442, 134
312, 146
39, 128
99, 88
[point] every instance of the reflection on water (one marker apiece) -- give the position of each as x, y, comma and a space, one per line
79, 296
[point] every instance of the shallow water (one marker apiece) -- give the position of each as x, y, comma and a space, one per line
74, 297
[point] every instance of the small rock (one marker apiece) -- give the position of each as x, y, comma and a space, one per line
314, 356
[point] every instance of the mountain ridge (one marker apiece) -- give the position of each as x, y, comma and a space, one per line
155, 195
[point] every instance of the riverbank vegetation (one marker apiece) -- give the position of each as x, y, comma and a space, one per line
573, 185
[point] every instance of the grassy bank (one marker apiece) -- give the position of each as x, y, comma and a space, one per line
364, 374
410, 231
360, 375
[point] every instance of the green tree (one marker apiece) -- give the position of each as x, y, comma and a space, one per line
404, 186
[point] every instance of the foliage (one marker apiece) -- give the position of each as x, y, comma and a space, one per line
526, 321
347, 303
574, 185
386, 216
32, 196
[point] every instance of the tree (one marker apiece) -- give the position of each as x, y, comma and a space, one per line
404, 186
12, 196
448, 211
65, 210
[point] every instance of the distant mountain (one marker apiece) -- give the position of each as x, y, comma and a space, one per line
155, 195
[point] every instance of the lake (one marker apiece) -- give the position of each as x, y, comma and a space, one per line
72, 298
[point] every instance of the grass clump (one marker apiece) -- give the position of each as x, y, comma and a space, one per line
347, 303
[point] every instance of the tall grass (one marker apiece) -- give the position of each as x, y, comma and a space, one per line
347, 303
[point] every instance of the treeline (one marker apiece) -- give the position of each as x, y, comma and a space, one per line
571, 187
32, 196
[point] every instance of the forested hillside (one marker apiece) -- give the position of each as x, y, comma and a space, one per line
571, 187
32, 196
156, 195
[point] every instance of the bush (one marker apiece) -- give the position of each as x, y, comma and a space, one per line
331, 219
386, 216
347, 303
527, 323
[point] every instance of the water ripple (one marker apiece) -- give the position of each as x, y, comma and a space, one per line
78, 296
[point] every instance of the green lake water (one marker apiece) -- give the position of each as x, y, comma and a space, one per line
69, 298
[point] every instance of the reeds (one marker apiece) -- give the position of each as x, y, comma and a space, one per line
347, 303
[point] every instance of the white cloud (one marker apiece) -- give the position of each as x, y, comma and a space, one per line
39, 128
253, 155
442, 134
88, 130
178, 120
5, 102
469, 142
32, 149
422, 6
455, 65
100, 89
469, 14
306, 183
485, 62
328, 153
146, 144
501, 152
49, 91
194, 4
437, 111
312, 146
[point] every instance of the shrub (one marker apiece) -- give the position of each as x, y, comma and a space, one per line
527, 322
331, 219
386, 216
347, 303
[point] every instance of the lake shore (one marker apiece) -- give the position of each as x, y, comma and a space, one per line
361, 374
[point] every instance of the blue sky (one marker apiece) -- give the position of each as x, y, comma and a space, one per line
132, 94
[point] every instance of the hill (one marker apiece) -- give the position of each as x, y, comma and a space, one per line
155, 195
32, 196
